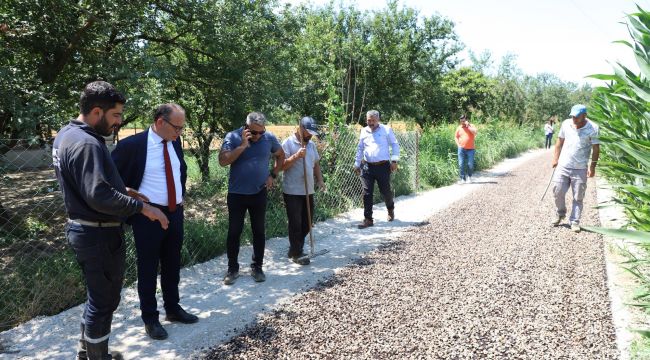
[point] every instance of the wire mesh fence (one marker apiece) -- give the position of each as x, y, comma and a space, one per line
38, 272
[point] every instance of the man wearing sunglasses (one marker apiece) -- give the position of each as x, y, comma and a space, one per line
248, 151
152, 162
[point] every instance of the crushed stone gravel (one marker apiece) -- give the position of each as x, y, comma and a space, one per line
486, 278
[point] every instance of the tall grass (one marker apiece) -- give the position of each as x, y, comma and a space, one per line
622, 109
494, 142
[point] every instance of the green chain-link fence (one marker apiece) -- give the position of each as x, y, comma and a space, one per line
38, 272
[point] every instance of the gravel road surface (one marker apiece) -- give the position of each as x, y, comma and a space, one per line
485, 278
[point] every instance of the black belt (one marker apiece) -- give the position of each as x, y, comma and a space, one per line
377, 163
164, 207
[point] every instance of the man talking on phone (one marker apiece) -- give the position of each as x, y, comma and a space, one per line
464, 137
248, 151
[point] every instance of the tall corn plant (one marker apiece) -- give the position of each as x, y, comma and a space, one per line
622, 110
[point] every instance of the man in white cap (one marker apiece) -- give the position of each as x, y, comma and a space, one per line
300, 169
578, 136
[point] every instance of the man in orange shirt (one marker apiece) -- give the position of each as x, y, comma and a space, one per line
465, 134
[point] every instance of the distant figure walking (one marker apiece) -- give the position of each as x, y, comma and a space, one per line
464, 137
548, 131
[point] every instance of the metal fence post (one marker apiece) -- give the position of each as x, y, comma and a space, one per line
417, 161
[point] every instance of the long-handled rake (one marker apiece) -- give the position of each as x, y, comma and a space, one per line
312, 253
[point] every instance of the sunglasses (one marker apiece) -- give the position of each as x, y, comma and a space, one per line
254, 132
178, 129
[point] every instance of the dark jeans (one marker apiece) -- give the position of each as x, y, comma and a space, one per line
381, 174
238, 204
154, 246
296, 206
101, 253
465, 159
549, 139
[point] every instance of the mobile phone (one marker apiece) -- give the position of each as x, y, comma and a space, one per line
250, 136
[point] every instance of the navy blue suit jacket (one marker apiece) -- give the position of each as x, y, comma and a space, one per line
130, 157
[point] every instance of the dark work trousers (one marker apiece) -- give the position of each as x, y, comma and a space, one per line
238, 204
296, 206
155, 245
101, 253
381, 174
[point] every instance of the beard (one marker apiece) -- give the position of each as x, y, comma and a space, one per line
103, 128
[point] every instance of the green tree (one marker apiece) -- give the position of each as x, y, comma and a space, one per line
407, 56
467, 90
53, 48
213, 61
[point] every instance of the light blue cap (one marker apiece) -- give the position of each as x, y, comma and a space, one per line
577, 110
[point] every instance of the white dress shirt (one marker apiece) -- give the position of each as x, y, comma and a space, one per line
154, 181
375, 146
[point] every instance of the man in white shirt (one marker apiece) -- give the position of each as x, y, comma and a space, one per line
377, 156
152, 162
577, 138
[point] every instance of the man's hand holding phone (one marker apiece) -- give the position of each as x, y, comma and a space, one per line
246, 137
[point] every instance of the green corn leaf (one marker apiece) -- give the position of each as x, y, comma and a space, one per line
627, 98
644, 333
643, 158
604, 77
626, 43
629, 78
632, 235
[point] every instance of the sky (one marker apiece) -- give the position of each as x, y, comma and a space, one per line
569, 38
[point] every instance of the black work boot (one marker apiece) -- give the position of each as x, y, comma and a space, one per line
81, 346
99, 351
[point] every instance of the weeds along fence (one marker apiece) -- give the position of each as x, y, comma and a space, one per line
38, 272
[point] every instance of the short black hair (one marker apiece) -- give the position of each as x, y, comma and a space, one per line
165, 110
99, 94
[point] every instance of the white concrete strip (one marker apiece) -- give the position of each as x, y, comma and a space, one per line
225, 310
621, 283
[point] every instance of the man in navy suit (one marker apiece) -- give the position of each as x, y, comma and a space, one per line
152, 162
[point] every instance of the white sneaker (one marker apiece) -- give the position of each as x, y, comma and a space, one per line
469, 179
460, 182
575, 227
